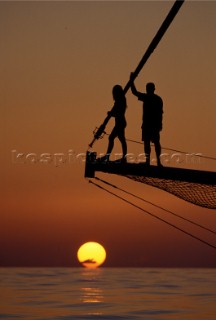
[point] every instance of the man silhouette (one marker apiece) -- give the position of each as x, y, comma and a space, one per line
152, 118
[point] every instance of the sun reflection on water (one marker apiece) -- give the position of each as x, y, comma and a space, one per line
91, 291
92, 295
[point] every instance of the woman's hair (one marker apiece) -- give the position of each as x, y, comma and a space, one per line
118, 92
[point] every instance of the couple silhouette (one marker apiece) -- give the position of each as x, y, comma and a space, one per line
151, 120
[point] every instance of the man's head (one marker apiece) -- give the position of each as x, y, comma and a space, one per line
150, 87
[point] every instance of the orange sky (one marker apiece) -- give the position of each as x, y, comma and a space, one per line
59, 62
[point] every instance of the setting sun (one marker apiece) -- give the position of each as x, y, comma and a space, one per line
91, 255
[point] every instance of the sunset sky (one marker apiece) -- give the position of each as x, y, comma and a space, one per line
59, 61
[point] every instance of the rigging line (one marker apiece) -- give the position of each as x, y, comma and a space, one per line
151, 214
157, 206
165, 148
196, 155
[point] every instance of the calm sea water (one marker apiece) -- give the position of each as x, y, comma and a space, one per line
106, 293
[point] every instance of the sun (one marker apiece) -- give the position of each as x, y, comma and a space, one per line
91, 255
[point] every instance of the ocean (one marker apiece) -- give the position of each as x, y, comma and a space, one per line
107, 293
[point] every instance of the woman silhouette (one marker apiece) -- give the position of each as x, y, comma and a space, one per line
118, 112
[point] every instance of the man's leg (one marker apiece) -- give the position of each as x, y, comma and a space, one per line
157, 148
147, 150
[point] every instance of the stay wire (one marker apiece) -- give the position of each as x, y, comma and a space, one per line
156, 206
170, 149
151, 214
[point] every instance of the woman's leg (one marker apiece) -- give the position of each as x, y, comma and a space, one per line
121, 136
112, 137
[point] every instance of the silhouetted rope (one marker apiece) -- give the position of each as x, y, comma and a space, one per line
151, 214
157, 206
175, 150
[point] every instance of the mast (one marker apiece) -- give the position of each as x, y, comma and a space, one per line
165, 25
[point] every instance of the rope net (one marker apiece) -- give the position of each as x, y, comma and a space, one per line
196, 193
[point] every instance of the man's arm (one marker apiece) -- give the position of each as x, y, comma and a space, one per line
133, 88
160, 114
